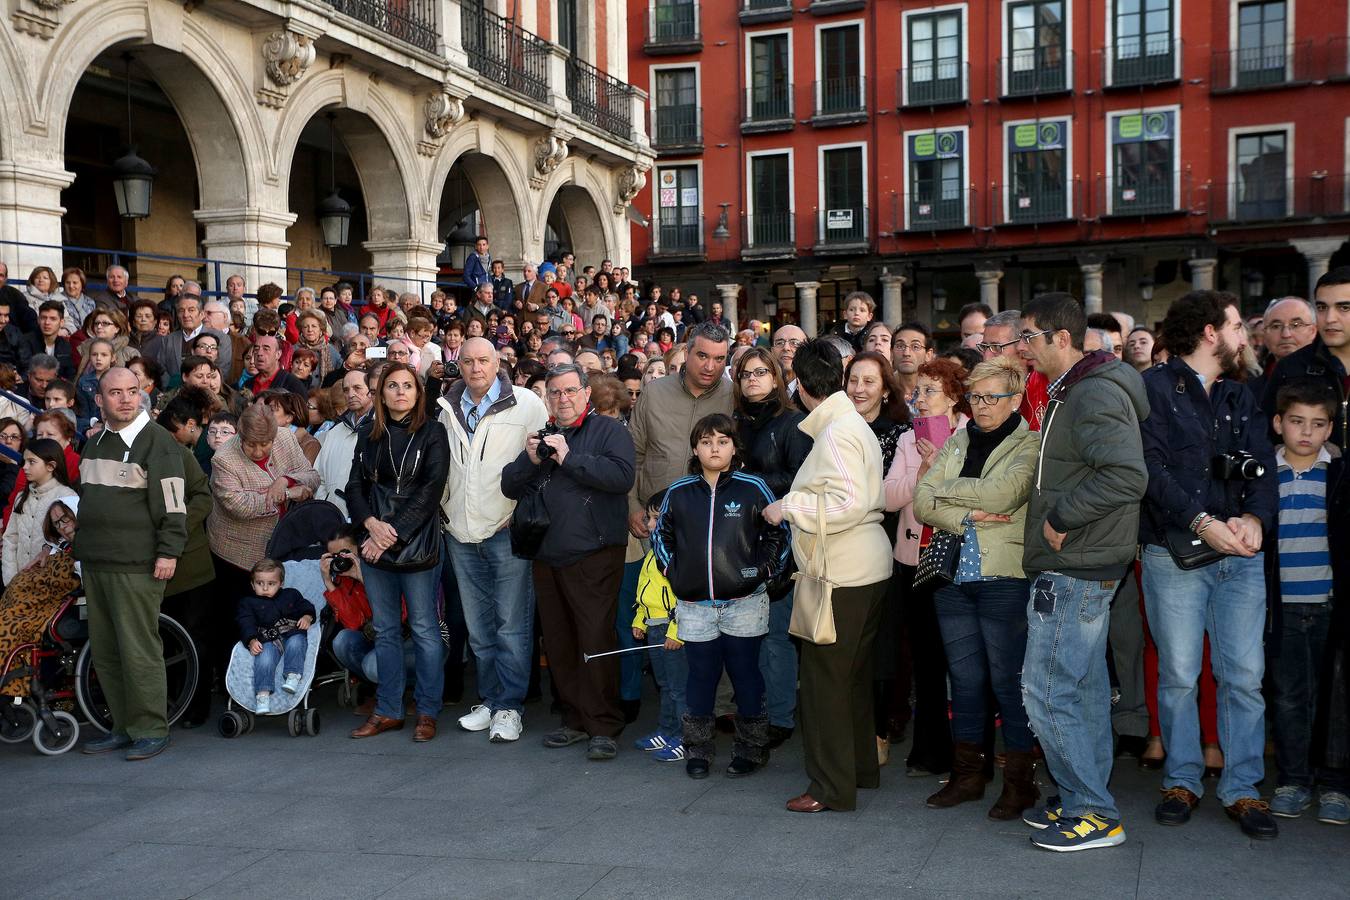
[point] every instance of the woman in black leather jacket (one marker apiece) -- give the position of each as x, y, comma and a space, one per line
398, 476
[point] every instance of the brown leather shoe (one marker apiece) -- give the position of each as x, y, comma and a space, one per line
806, 804
425, 730
377, 724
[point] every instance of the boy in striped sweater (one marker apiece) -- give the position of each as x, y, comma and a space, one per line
1306, 466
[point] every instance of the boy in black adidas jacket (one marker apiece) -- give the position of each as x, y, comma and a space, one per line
717, 551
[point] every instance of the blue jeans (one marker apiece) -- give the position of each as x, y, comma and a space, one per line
778, 665
1066, 690
984, 633
292, 654
497, 592
1294, 681
671, 670
388, 592
357, 655
1227, 599
630, 664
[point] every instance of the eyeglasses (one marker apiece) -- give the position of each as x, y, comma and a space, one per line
754, 373
568, 392
1278, 327
104, 323
986, 347
915, 347
986, 399
223, 431
11, 438
265, 332
64, 520
568, 332
927, 392
1026, 336
633, 395
794, 343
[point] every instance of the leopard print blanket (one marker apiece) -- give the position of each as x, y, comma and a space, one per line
29, 601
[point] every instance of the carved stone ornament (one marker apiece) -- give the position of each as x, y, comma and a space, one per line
40, 18
287, 56
549, 152
442, 111
51, 4
631, 182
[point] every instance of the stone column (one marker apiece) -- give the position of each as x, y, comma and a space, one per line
892, 299
557, 79
405, 265
1091, 267
806, 306
1202, 273
731, 294
247, 241
638, 113
30, 212
989, 278
1317, 252
452, 37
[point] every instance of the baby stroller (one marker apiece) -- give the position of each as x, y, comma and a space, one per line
297, 543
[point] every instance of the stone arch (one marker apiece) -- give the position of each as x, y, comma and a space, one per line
16, 107
578, 191
499, 189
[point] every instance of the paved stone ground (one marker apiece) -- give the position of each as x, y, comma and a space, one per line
269, 815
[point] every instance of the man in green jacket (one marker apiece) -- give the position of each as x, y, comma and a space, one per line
133, 528
1081, 534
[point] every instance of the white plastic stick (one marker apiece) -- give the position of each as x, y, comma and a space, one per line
587, 657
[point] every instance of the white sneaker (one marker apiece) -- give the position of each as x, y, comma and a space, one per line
263, 703
506, 726
478, 719
292, 683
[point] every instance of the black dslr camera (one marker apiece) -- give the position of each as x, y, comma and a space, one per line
451, 371
544, 451
341, 562
1236, 466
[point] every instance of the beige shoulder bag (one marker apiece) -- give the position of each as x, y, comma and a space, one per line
812, 603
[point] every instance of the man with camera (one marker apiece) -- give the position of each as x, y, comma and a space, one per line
1212, 494
583, 463
488, 420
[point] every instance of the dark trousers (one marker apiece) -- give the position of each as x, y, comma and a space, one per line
836, 701
1294, 680
124, 637
932, 746
740, 658
193, 610
577, 605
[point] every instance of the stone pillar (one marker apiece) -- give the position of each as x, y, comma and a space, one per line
989, 281
557, 80
638, 113
892, 299
245, 241
452, 38
1317, 252
1091, 267
30, 212
405, 265
1202, 273
731, 294
806, 306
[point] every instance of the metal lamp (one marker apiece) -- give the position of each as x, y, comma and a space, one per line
335, 214
133, 177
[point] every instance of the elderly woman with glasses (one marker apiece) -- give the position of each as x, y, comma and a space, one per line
976, 488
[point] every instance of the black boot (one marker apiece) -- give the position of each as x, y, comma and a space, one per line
751, 747
699, 745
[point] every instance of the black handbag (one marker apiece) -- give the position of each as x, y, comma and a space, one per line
530, 520
938, 562
1188, 549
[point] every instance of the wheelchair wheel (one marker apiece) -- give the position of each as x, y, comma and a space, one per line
312, 722
180, 669
231, 725
55, 741
17, 722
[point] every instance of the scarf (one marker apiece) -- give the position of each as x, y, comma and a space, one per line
982, 444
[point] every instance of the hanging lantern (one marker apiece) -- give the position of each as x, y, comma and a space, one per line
133, 177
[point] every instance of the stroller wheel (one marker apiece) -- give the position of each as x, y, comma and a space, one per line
294, 723
312, 722
346, 694
55, 741
250, 720
231, 725
17, 722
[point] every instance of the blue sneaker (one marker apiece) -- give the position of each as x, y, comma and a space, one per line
109, 742
145, 748
1290, 801
1043, 817
1086, 833
673, 751
1333, 808
654, 741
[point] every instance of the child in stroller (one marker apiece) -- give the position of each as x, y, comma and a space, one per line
272, 624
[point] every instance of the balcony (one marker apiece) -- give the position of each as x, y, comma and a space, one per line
672, 28
937, 209
1262, 68
841, 230
1266, 200
410, 21
768, 107
506, 54
1036, 205
1136, 63
760, 12
679, 129
771, 235
840, 101
831, 7
934, 82
1041, 72
1126, 197
600, 99
1338, 59
677, 237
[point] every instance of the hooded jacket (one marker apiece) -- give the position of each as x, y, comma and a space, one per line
1091, 475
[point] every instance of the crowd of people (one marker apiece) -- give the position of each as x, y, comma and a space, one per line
1063, 540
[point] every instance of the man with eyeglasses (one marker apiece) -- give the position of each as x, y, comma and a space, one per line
1082, 529
1327, 358
488, 419
1289, 324
1001, 337
911, 347
584, 468
786, 340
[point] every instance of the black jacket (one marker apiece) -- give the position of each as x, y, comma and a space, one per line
21, 315
715, 544
1184, 431
774, 447
14, 348
65, 359
258, 616
411, 468
1315, 362
586, 496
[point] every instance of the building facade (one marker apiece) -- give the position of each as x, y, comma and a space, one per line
433, 119
937, 152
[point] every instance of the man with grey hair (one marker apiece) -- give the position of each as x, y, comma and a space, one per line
1098, 339
115, 295
1000, 335
169, 349
1290, 324
482, 299
584, 467
216, 315
842, 344
530, 291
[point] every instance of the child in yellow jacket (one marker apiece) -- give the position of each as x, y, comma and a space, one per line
655, 624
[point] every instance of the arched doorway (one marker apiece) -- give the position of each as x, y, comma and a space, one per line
477, 199
574, 224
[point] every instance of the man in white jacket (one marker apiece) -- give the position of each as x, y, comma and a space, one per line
488, 420
334, 462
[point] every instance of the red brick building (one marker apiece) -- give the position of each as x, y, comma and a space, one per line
937, 152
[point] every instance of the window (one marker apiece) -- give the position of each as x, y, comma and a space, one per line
673, 21
771, 200
770, 78
840, 90
937, 196
680, 225
843, 214
1261, 50
677, 118
1261, 173
567, 25
1036, 42
936, 68
1037, 171
1143, 163
1144, 50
